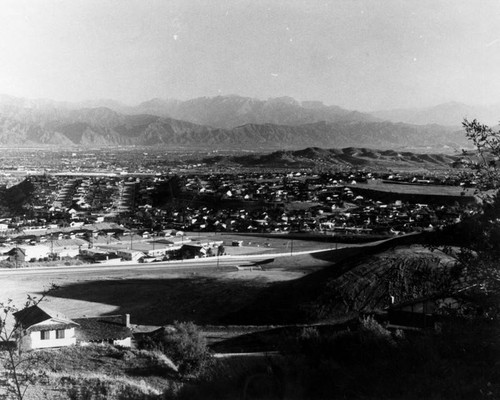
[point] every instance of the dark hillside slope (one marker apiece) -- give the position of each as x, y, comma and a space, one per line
361, 281
18, 196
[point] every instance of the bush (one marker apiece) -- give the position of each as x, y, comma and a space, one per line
185, 346
7, 264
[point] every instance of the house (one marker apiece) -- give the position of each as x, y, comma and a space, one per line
427, 312
39, 328
17, 254
144, 333
110, 329
130, 255
193, 251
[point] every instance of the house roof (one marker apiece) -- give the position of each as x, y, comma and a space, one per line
16, 250
37, 314
102, 328
432, 302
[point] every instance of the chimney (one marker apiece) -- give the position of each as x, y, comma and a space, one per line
126, 320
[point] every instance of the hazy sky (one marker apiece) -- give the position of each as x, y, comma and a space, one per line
359, 54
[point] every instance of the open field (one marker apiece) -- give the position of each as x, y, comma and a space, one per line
261, 244
153, 294
426, 194
156, 296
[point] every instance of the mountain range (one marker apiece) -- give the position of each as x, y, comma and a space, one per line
222, 122
450, 114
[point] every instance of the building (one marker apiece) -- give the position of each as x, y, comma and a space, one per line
110, 329
193, 251
428, 312
130, 255
16, 255
40, 328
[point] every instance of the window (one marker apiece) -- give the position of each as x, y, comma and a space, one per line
60, 334
45, 335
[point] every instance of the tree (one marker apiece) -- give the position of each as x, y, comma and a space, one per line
485, 160
20, 367
478, 261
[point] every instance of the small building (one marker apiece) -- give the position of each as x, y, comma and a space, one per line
39, 328
130, 255
193, 251
426, 312
17, 254
109, 329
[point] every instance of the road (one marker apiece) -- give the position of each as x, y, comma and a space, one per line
212, 262
129, 267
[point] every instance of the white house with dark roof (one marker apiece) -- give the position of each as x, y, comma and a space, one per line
41, 328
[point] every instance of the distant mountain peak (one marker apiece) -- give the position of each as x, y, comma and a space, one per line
229, 111
312, 104
285, 100
221, 122
450, 113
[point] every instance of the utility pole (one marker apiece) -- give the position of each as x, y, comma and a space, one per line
291, 247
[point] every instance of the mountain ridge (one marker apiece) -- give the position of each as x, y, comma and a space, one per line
448, 114
44, 123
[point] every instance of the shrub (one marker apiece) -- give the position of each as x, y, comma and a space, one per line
7, 264
185, 346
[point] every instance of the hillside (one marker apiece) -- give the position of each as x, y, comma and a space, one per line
91, 127
355, 283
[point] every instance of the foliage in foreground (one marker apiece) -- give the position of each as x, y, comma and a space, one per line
185, 346
366, 363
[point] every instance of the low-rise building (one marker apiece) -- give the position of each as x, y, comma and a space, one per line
110, 329
39, 327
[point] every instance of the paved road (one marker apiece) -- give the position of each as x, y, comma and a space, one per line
212, 262
127, 267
